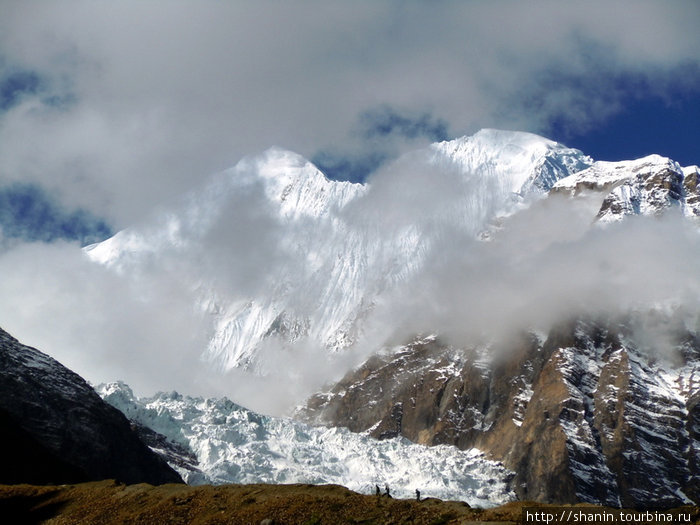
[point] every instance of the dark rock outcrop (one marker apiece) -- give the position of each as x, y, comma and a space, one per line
56, 429
173, 453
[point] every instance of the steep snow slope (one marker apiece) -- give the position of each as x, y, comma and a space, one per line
520, 162
271, 221
289, 265
235, 445
280, 256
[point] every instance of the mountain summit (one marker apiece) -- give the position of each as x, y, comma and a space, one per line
521, 162
317, 255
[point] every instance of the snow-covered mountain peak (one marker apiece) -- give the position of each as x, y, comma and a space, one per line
690, 170
604, 174
649, 185
282, 183
293, 183
522, 161
313, 266
295, 188
284, 167
501, 140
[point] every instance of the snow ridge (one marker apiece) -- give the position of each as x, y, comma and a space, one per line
651, 186
333, 264
522, 162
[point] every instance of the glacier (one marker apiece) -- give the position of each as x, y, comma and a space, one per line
235, 445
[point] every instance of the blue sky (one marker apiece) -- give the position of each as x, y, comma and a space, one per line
114, 111
28, 213
15, 85
645, 126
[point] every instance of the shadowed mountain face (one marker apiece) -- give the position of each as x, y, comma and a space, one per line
585, 413
56, 429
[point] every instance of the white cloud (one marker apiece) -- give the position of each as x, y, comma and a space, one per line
97, 323
545, 265
167, 93
549, 265
170, 92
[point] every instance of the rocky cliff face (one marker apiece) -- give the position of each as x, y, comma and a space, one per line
599, 409
651, 185
56, 429
585, 413
590, 408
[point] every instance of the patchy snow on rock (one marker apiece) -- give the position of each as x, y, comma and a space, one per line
650, 186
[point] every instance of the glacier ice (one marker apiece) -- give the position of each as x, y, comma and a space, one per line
235, 445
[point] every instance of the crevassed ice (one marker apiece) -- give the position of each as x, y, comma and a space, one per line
236, 445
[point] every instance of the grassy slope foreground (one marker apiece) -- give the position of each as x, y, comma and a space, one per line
107, 502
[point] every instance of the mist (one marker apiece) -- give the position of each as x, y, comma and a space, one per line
100, 324
120, 109
545, 262
428, 271
474, 292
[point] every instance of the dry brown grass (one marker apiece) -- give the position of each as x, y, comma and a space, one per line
107, 502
